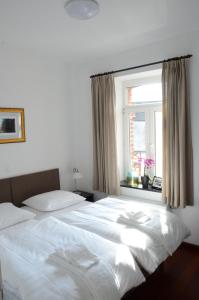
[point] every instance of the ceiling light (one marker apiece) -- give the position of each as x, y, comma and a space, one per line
82, 9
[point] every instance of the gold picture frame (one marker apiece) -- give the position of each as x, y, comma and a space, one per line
12, 125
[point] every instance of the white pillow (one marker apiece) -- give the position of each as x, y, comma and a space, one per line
11, 215
53, 200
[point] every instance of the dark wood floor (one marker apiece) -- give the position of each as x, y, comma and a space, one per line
178, 279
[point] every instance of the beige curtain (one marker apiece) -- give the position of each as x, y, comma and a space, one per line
106, 177
177, 141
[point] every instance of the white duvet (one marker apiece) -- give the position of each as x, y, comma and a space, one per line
150, 231
164, 224
147, 249
37, 261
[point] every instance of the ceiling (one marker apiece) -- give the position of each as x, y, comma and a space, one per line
44, 27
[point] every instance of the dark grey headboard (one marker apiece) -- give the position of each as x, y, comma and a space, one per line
5, 191
19, 188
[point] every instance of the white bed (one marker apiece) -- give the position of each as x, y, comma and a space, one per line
150, 242
45, 258
86, 251
37, 258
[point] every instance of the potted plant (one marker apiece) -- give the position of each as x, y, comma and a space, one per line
148, 165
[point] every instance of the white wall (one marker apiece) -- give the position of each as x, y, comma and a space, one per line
82, 110
40, 86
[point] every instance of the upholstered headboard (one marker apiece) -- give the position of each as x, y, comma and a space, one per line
19, 188
5, 191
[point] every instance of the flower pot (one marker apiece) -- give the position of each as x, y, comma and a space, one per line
145, 181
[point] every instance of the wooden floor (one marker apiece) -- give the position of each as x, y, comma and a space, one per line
178, 279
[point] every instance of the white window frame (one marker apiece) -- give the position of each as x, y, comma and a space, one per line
149, 108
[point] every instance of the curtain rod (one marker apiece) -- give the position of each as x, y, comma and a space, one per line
141, 66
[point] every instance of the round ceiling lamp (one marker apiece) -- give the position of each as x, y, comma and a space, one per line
82, 9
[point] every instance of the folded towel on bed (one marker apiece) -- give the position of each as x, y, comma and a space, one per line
133, 218
79, 256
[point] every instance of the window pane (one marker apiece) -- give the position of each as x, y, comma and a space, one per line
158, 144
137, 138
145, 93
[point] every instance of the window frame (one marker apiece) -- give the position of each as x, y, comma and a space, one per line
149, 108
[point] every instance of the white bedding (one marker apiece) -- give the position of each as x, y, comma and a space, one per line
35, 263
42, 215
148, 250
109, 236
162, 224
150, 242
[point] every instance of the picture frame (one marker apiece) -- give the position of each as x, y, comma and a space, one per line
12, 125
157, 183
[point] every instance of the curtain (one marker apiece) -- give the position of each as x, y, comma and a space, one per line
105, 170
177, 141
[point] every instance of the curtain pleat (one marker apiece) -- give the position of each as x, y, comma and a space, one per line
177, 140
105, 168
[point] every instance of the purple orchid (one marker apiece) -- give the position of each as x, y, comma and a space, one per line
149, 163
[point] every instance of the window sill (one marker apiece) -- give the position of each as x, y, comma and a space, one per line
139, 187
151, 195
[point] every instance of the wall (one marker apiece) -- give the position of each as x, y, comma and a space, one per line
82, 110
40, 86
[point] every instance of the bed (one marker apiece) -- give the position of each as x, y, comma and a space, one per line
120, 251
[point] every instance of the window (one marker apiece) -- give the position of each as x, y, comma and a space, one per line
142, 110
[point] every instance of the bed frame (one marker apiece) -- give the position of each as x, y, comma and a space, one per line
19, 188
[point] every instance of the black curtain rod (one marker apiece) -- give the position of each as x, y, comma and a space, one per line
141, 66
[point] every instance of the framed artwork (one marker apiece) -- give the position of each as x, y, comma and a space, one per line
157, 183
12, 125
